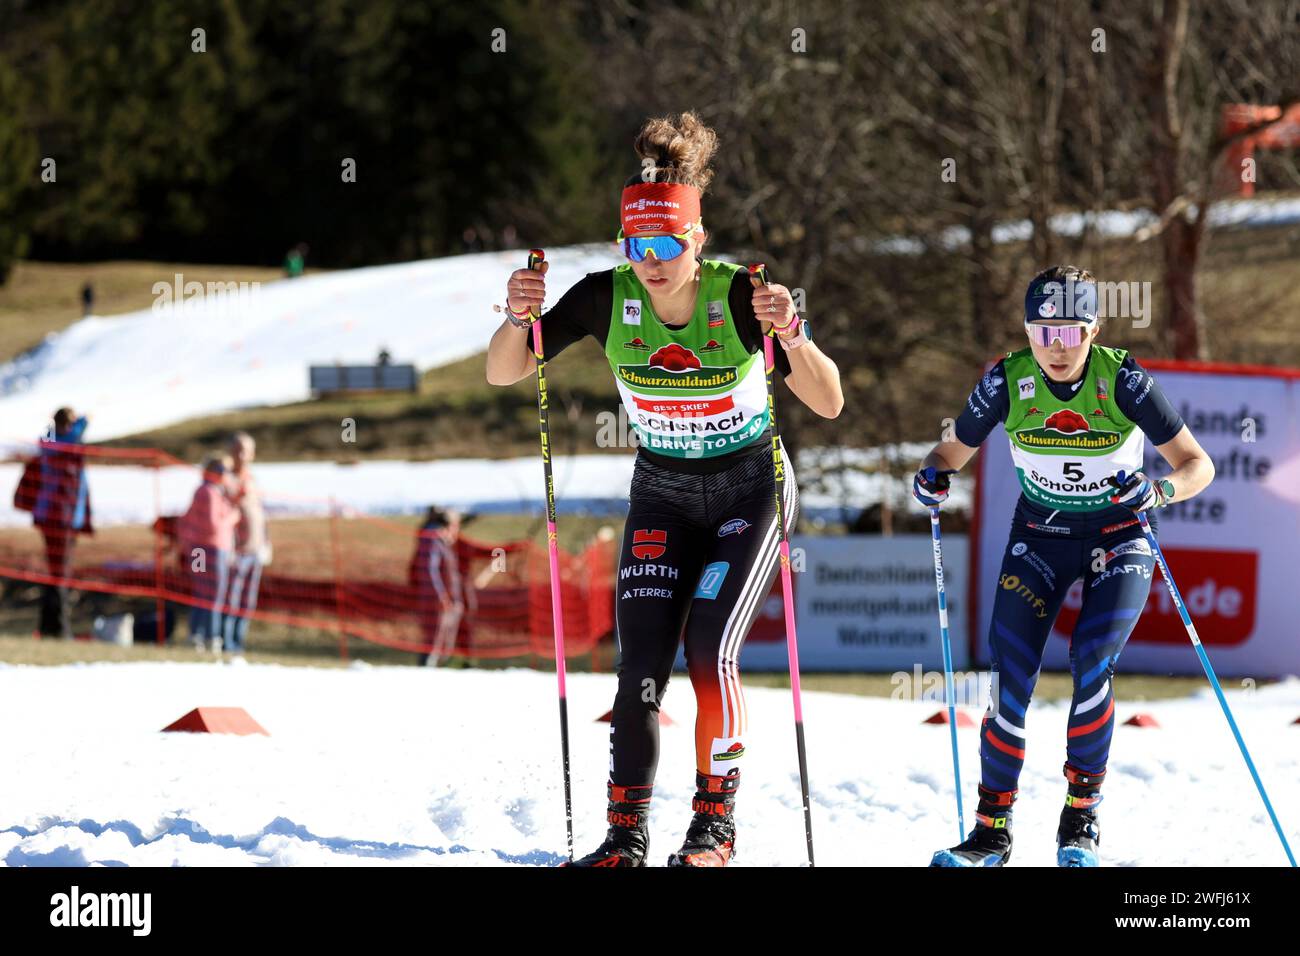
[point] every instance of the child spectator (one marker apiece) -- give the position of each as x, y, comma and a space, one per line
435, 572
207, 537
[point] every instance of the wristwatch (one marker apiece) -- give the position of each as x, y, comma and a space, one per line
800, 337
1166, 489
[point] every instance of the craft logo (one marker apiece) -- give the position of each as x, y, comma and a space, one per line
631, 311
1067, 429
637, 344
734, 526
715, 314
675, 366
1140, 570
648, 544
711, 345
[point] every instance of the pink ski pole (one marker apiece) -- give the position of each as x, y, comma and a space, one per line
536, 258
758, 276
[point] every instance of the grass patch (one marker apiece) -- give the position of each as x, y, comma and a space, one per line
269, 644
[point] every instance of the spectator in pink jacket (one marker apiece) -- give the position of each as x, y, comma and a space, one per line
207, 538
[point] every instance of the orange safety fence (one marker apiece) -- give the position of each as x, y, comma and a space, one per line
331, 567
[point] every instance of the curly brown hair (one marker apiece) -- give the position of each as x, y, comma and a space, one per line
681, 150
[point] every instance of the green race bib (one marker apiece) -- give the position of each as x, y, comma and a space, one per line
693, 392
1065, 451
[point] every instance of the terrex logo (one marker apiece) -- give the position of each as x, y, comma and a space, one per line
1219, 587
649, 544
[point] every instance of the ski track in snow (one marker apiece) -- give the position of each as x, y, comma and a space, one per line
372, 766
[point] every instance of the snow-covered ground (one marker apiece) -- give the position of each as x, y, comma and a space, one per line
375, 766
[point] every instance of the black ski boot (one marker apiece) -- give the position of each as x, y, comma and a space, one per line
628, 837
1078, 835
989, 844
711, 837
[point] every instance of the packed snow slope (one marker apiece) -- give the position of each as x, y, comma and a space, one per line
379, 766
198, 356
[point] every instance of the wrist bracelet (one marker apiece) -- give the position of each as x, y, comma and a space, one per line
520, 320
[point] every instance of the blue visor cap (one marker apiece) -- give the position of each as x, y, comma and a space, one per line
1061, 299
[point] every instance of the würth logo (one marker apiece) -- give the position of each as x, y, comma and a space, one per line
102, 909
648, 544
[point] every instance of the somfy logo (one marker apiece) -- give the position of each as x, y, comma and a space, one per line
102, 909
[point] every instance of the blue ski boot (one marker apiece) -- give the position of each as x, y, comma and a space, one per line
1078, 835
989, 844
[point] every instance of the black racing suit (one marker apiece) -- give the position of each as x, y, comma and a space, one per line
699, 556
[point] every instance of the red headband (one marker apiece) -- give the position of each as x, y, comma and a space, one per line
659, 207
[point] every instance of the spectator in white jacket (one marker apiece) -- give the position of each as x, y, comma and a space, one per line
252, 543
